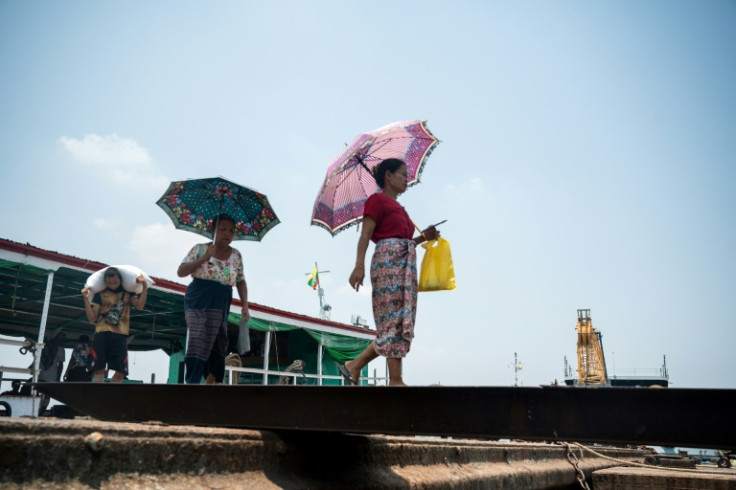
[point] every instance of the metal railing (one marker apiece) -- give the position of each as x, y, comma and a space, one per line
232, 371
638, 372
26, 346
25, 405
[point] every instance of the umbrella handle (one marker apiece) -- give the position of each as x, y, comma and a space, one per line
214, 238
419, 230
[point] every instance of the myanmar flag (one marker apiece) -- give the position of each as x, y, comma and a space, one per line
314, 278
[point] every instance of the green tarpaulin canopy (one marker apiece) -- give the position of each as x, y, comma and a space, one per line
340, 347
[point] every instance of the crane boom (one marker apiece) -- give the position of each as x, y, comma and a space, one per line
591, 362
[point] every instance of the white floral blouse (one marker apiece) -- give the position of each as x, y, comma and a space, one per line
228, 272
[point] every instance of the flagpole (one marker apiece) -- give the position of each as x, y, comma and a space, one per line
324, 309
321, 294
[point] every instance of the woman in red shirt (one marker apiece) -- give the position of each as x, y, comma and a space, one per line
393, 272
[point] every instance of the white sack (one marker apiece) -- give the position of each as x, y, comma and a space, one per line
96, 282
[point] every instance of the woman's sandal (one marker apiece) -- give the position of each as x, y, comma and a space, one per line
346, 374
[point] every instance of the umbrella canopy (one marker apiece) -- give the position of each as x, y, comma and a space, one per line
194, 204
349, 181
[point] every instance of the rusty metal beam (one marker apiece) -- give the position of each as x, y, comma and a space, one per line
666, 417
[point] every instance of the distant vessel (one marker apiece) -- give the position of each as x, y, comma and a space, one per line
592, 369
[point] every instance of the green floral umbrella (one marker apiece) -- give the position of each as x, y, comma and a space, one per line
194, 204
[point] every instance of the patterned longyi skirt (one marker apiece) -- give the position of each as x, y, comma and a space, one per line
394, 282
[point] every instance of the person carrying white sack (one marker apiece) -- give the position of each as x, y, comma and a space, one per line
109, 310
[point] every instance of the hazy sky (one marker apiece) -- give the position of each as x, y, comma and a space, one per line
588, 160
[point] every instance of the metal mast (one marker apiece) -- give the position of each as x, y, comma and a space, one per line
517, 367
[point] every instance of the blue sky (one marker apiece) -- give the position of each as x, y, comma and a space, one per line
588, 160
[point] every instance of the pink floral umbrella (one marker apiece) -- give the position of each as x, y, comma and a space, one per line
349, 181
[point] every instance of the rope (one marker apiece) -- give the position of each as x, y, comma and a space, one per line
642, 465
296, 366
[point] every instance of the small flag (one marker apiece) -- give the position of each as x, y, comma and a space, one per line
314, 278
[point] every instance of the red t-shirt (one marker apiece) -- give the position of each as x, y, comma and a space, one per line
392, 221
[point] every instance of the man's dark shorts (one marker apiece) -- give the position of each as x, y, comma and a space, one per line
110, 350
